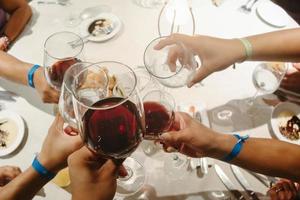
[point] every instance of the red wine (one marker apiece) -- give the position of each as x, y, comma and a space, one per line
115, 132
57, 71
158, 119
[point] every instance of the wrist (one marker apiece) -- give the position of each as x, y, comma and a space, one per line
48, 163
38, 77
238, 50
220, 145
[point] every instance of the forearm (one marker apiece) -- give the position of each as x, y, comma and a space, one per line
17, 22
267, 156
276, 46
13, 69
24, 186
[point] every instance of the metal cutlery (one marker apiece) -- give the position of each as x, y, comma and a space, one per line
266, 181
53, 3
247, 7
104, 30
228, 184
243, 181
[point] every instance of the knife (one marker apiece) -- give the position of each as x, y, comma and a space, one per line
228, 184
244, 183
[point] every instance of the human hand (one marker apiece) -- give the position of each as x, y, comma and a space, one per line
215, 54
92, 177
46, 92
58, 146
291, 81
8, 173
190, 137
284, 190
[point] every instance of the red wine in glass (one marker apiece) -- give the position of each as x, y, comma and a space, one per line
158, 119
114, 132
57, 70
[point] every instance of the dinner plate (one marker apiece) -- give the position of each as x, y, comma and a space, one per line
272, 14
276, 119
116, 25
15, 124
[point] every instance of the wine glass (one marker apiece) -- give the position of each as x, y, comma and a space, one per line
59, 55
159, 109
266, 78
112, 126
173, 66
96, 77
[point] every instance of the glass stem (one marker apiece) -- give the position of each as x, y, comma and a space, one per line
251, 101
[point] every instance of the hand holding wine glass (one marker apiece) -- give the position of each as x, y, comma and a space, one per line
190, 137
98, 176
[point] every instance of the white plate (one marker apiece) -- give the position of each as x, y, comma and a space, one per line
275, 122
117, 24
272, 14
9, 115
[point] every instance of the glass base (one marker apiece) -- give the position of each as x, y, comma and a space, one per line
176, 166
134, 181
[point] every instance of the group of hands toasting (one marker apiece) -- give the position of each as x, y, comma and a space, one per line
95, 177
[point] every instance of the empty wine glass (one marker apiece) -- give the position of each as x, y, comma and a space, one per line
112, 125
266, 78
59, 55
149, 3
173, 66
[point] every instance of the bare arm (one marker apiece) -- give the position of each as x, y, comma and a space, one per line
15, 70
267, 156
217, 54
20, 13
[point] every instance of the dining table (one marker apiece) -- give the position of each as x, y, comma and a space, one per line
139, 26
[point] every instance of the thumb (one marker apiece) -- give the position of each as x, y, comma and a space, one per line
172, 137
200, 74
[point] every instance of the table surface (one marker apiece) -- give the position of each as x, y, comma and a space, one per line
139, 26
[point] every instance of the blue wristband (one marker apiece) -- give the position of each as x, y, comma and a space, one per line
31, 74
237, 147
41, 169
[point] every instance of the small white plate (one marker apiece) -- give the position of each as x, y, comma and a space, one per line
275, 120
117, 24
272, 14
20, 131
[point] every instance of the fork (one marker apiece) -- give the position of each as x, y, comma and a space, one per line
105, 30
243, 8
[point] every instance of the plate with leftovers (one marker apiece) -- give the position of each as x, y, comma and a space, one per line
285, 122
101, 28
12, 131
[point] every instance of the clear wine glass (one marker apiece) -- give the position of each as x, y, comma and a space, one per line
112, 126
95, 76
173, 66
159, 107
59, 55
266, 78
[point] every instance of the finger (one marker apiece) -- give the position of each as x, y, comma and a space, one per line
280, 191
172, 58
288, 194
293, 189
165, 42
69, 130
272, 194
199, 75
122, 172
296, 66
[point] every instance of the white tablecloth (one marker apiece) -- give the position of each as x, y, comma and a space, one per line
140, 27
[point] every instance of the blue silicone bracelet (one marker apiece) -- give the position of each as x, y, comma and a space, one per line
237, 147
41, 169
31, 74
